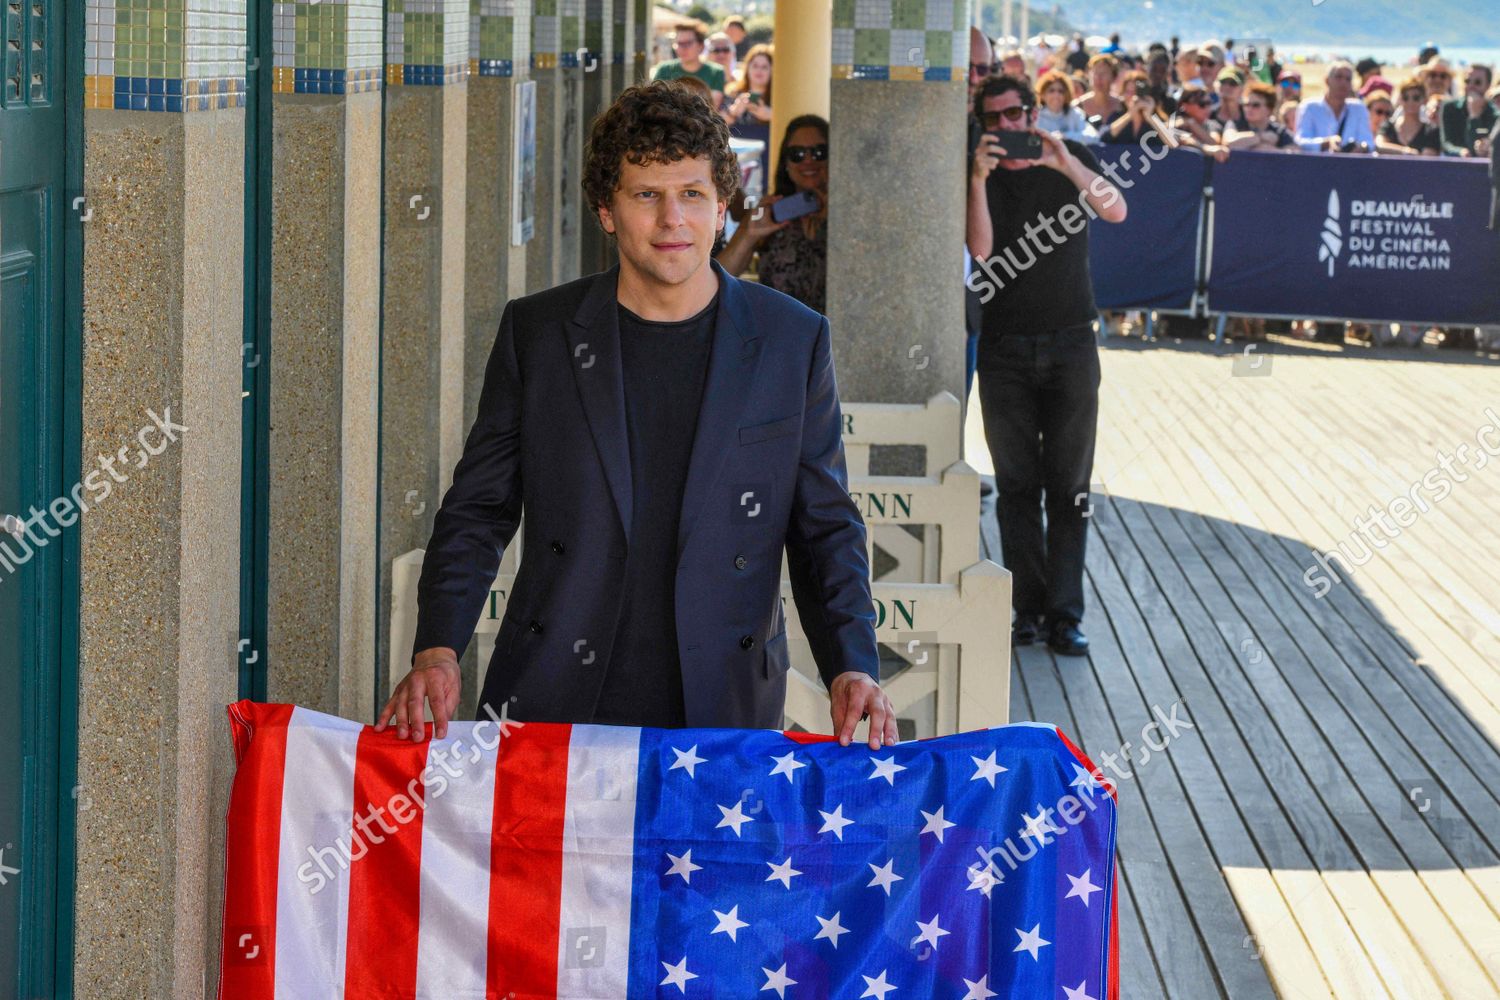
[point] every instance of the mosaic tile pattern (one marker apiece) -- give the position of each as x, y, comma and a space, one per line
164, 55
426, 42
900, 39
557, 33
617, 33
499, 36
326, 47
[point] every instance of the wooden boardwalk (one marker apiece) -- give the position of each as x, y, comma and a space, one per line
1330, 826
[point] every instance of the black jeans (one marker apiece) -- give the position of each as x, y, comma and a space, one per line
1040, 397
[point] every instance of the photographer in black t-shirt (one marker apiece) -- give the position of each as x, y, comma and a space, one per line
1038, 364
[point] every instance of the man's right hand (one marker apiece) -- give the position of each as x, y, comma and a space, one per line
434, 677
986, 158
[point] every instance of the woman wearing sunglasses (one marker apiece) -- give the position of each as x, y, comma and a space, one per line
794, 253
1402, 132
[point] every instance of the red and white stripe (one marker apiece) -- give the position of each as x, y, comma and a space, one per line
540, 824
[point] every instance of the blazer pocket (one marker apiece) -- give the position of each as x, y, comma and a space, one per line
778, 657
770, 429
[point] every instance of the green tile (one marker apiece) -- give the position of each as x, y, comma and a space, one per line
872, 46
939, 50
843, 13
909, 14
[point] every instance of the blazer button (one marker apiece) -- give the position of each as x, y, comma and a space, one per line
739, 562
557, 547
746, 641
535, 626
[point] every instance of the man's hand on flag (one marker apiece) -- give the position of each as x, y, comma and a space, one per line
435, 677
855, 694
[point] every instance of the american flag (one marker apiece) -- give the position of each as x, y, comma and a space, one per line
515, 861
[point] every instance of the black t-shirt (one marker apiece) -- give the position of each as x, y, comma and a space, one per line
1038, 292
665, 365
1425, 138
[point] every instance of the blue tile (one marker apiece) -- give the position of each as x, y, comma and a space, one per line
174, 87
122, 101
138, 102
156, 102
137, 85
174, 102
155, 86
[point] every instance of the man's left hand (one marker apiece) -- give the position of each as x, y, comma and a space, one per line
1055, 153
853, 694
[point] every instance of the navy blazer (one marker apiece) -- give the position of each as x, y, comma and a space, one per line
767, 473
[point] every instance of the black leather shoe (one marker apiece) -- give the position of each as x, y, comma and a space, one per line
1025, 630
1065, 638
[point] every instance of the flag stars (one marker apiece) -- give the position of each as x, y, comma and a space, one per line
984, 879
677, 975
786, 765
782, 872
1084, 781
884, 875
834, 821
935, 823
687, 760
986, 768
886, 769
979, 989
876, 986
777, 980
930, 931
1040, 825
734, 817
1079, 992
1031, 941
831, 929
682, 866
729, 923
1082, 887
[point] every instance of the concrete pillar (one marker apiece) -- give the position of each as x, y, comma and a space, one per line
803, 56
896, 225
598, 91
422, 351
325, 333
160, 557
568, 252
542, 249
499, 59
638, 28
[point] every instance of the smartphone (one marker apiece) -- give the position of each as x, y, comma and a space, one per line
1142, 88
795, 206
1016, 145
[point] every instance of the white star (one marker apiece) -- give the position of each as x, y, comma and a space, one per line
935, 823
930, 931
876, 987
835, 821
783, 871
884, 876
1038, 826
886, 768
683, 865
6, 869
1078, 992
1084, 781
987, 768
687, 759
729, 923
786, 765
678, 975
979, 989
733, 817
1082, 887
831, 929
984, 880
777, 980
1031, 941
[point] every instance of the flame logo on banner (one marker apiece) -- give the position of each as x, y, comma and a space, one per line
1333, 233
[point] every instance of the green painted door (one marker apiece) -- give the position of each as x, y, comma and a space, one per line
34, 137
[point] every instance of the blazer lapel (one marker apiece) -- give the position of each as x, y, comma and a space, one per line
594, 353
732, 363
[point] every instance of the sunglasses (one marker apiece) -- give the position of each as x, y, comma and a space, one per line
686, 43
1412, 95
796, 154
1207, 62
1382, 112
1013, 114
720, 50
1198, 102
983, 69
1255, 104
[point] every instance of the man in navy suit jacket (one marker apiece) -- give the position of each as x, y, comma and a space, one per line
668, 430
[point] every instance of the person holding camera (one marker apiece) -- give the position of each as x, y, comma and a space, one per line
1030, 198
1142, 103
1335, 123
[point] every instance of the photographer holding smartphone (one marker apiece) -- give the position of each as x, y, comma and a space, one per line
1031, 196
793, 244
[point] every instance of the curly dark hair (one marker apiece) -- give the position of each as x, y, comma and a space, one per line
657, 122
